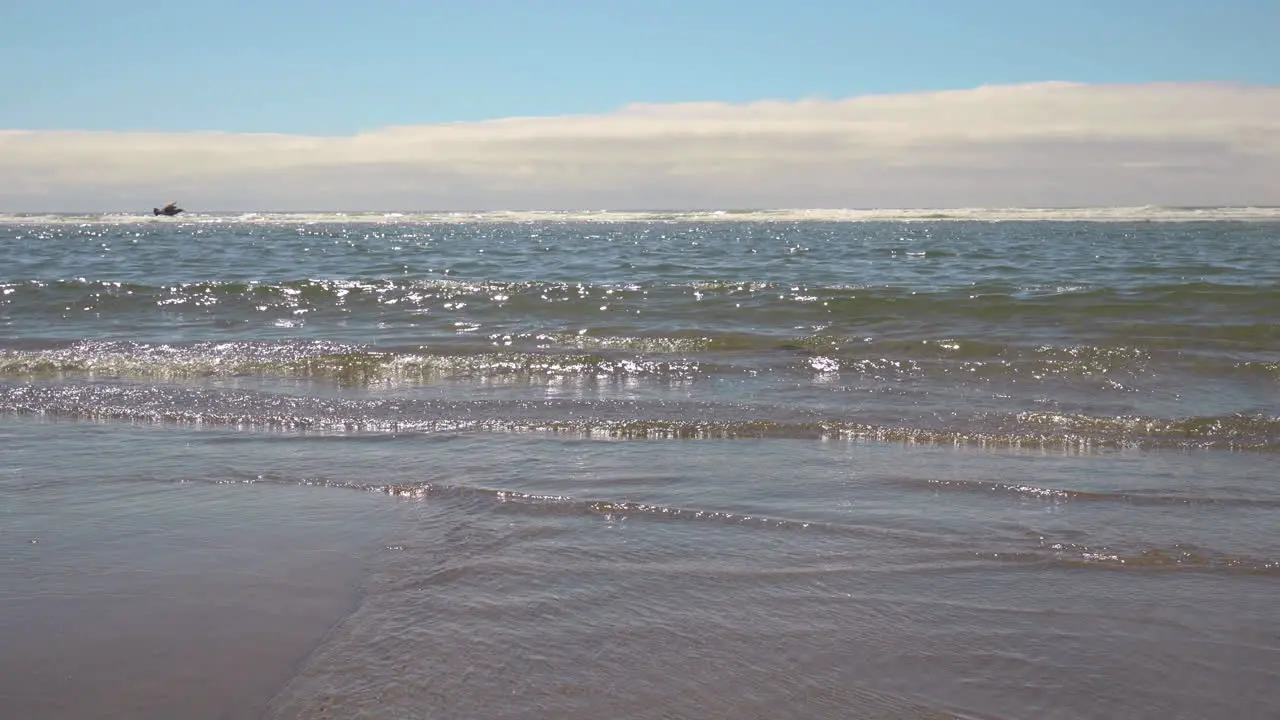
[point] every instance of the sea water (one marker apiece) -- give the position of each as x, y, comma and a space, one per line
995, 464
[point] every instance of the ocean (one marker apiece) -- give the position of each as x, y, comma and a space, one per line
739, 464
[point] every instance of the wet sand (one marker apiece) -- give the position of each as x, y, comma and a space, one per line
173, 600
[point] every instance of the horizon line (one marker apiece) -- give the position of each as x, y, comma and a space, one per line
686, 209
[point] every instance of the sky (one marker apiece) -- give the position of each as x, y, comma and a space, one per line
546, 104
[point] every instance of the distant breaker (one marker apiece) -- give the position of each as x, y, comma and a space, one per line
1148, 213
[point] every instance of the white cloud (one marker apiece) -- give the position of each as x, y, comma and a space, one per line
1045, 144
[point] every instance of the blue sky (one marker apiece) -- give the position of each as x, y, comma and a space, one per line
320, 67
285, 104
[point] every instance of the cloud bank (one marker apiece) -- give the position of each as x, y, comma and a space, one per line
1035, 145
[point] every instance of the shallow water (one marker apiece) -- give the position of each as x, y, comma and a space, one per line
129, 590
655, 466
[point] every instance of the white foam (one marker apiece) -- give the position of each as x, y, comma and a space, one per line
1098, 214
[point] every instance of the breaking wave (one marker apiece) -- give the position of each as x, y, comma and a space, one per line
625, 420
1096, 214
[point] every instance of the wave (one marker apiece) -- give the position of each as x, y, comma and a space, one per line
1034, 551
1084, 214
628, 419
386, 289
1187, 312
1041, 492
661, 358
347, 364
550, 355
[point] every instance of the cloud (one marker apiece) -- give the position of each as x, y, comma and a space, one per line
1042, 144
